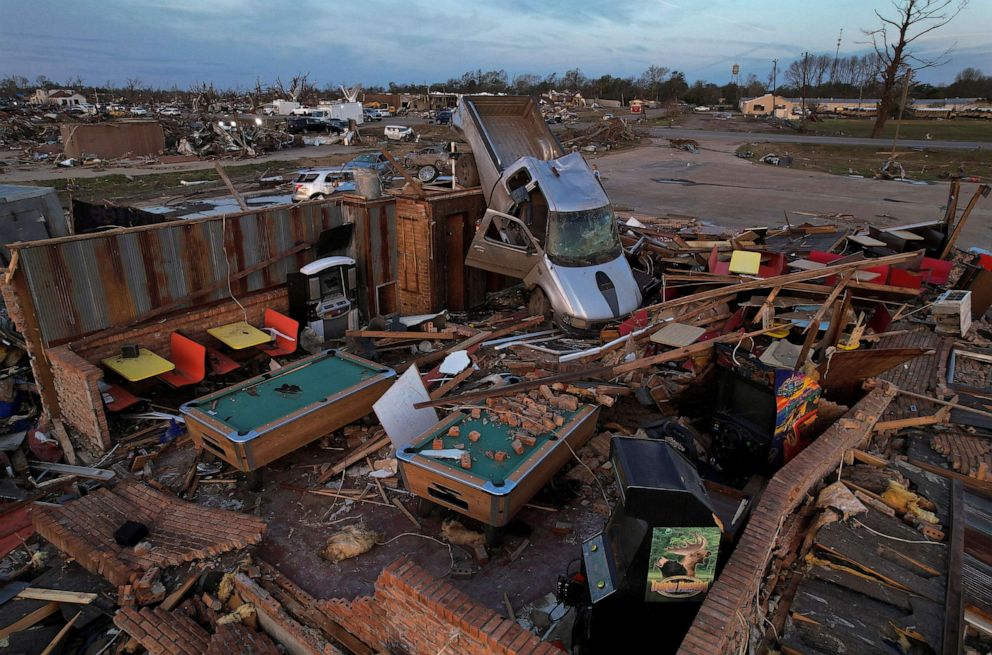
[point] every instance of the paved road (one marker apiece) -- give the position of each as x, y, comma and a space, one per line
792, 137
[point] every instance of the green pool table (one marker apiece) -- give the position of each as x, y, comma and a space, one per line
257, 421
491, 491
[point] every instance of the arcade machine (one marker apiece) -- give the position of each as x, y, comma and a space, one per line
649, 570
762, 415
322, 297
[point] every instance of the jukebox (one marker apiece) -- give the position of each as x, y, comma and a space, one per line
322, 297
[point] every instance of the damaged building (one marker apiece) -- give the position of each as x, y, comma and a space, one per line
495, 416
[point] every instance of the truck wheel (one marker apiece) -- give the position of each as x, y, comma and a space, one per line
538, 305
427, 173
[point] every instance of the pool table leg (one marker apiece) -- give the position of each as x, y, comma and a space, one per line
254, 480
494, 535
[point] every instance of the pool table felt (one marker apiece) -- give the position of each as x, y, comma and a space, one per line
318, 379
494, 436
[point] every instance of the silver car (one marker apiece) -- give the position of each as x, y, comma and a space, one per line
317, 183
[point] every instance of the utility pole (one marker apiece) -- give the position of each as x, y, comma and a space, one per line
774, 78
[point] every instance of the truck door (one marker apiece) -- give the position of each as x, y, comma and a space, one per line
503, 244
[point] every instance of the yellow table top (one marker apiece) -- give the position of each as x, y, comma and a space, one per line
146, 365
240, 335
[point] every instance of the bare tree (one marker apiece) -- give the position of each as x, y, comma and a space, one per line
652, 79
132, 86
300, 87
893, 41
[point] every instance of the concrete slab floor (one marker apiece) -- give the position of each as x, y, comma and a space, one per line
725, 190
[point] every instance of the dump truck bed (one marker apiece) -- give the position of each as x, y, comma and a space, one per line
508, 128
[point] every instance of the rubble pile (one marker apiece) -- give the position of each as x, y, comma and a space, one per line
608, 134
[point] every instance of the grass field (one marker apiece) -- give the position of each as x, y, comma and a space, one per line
116, 185
867, 160
961, 129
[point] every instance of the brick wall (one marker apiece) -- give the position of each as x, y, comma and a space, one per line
77, 369
78, 392
718, 626
179, 531
411, 611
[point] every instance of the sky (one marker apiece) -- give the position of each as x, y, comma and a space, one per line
233, 42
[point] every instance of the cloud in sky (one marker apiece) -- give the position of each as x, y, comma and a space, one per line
231, 42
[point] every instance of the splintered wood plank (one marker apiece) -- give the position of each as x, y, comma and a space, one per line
862, 550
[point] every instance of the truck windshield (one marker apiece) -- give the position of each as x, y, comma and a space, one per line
583, 238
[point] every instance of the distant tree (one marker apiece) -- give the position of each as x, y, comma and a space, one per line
893, 43
132, 85
970, 83
753, 86
652, 79
525, 83
675, 87
573, 80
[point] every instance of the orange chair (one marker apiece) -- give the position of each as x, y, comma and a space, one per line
285, 325
220, 364
190, 359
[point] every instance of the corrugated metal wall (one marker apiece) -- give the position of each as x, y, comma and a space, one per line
81, 285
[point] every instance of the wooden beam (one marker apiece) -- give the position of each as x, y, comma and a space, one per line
416, 186
50, 648
784, 280
29, 619
386, 334
230, 187
609, 371
963, 408
814, 323
982, 190
356, 455
968, 481
954, 599
453, 382
57, 595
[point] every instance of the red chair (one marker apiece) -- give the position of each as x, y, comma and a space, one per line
119, 398
220, 364
190, 359
283, 345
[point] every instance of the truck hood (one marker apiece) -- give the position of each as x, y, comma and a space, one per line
593, 294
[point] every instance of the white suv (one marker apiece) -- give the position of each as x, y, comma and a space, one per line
315, 183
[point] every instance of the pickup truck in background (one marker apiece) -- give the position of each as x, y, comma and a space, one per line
549, 221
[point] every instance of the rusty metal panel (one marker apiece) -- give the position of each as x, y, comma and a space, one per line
80, 285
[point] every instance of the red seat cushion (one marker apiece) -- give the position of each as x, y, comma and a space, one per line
283, 345
220, 364
121, 398
190, 359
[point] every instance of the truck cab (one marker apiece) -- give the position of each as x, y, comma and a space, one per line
549, 222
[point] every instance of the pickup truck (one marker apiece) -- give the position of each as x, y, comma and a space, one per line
549, 222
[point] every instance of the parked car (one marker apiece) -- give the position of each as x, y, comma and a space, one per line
311, 184
139, 111
170, 111
84, 108
443, 117
384, 112
371, 114
400, 133
304, 124
430, 162
375, 161
337, 125
701, 108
